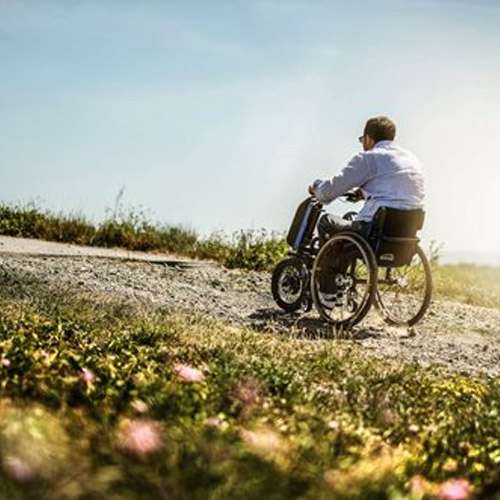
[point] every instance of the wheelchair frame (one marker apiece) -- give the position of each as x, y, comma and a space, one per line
305, 256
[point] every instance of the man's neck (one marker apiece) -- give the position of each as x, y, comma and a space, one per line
385, 143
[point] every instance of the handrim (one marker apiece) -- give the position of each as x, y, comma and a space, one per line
389, 314
369, 261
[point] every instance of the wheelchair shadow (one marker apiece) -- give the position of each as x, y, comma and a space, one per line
306, 326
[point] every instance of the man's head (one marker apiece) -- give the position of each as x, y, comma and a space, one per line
377, 129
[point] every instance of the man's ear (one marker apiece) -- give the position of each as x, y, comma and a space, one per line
369, 142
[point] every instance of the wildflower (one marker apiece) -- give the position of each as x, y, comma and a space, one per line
139, 406
139, 437
214, 422
262, 441
247, 393
333, 425
450, 465
18, 469
329, 477
87, 375
44, 357
388, 417
455, 489
5, 362
34, 443
187, 373
419, 486
414, 428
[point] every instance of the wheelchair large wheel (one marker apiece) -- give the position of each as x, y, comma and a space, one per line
343, 280
404, 293
289, 285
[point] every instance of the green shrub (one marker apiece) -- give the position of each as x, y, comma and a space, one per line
28, 221
256, 250
134, 230
216, 247
17, 220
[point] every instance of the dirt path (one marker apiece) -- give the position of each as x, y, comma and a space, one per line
28, 246
458, 336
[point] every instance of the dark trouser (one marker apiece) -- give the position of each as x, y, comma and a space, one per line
328, 226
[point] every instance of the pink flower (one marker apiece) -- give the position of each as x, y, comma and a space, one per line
139, 436
455, 489
248, 392
419, 486
263, 441
388, 417
87, 375
187, 373
214, 422
18, 469
5, 362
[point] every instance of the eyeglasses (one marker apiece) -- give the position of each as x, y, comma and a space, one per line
360, 138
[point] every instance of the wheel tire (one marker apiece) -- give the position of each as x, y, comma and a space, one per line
302, 301
391, 320
372, 268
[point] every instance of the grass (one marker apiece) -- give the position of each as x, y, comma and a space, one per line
468, 283
133, 230
96, 402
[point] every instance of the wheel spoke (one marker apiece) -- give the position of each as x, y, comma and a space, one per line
342, 279
404, 298
289, 282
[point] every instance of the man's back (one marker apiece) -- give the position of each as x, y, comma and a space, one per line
386, 174
394, 179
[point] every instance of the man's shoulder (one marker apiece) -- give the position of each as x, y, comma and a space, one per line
395, 151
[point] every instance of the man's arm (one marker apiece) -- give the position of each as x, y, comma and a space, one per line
355, 174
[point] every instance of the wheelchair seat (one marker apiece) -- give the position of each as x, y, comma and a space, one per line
393, 235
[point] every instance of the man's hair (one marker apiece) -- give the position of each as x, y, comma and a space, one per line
380, 128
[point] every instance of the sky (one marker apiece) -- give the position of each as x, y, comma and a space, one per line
218, 114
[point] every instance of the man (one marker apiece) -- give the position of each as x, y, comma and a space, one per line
384, 174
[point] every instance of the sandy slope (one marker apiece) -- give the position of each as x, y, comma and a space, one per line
461, 337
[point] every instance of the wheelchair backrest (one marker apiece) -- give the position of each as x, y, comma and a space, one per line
394, 235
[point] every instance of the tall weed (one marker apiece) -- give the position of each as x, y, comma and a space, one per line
133, 229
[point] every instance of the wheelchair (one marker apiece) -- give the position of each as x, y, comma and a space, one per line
351, 272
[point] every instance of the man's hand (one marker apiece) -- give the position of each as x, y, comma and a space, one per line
355, 195
359, 194
311, 190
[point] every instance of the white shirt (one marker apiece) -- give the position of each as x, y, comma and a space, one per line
388, 175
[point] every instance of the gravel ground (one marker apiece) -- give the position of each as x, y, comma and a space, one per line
460, 337
30, 246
